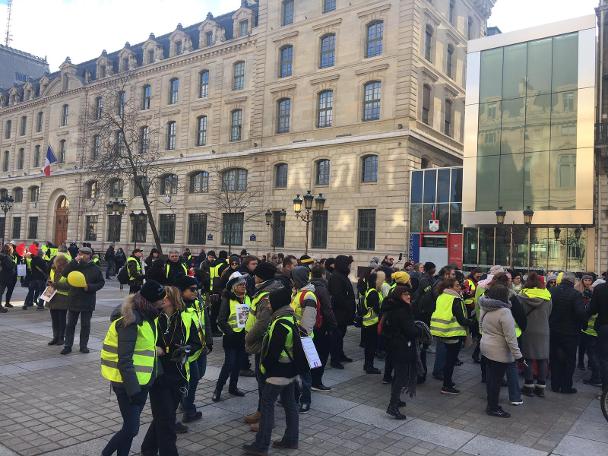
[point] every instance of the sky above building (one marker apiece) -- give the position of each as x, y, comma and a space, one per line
81, 29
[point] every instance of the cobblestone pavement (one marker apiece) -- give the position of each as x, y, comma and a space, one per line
60, 406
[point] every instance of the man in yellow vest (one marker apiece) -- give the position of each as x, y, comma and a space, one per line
599, 306
216, 267
135, 271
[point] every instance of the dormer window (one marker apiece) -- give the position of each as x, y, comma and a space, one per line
102, 71
244, 28
178, 47
209, 39
151, 56
125, 64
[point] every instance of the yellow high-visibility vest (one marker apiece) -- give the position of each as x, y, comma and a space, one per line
286, 355
232, 320
371, 317
443, 321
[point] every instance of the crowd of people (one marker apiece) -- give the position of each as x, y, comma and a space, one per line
532, 326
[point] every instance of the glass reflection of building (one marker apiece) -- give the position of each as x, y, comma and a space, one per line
529, 144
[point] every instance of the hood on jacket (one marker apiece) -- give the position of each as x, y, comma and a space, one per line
391, 303
281, 312
269, 286
342, 264
490, 305
319, 282
300, 276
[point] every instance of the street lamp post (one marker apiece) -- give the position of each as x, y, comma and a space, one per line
500, 220
6, 204
116, 207
306, 217
134, 217
282, 217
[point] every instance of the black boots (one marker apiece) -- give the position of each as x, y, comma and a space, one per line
395, 413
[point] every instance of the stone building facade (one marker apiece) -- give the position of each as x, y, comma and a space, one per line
339, 97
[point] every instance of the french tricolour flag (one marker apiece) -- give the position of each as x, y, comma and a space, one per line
48, 161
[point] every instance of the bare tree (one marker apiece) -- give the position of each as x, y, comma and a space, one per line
233, 196
121, 141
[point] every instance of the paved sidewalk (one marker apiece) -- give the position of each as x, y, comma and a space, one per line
60, 406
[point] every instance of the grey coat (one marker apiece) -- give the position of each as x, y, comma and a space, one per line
535, 339
498, 340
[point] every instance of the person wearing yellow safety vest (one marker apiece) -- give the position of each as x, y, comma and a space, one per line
257, 324
534, 344
589, 338
8, 275
599, 307
449, 324
233, 315
216, 269
177, 340
135, 271
37, 275
129, 359
174, 268
58, 305
188, 287
372, 301
498, 343
469, 295
279, 370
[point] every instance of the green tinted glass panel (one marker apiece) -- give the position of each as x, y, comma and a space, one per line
514, 71
563, 120
415, 218
513, 126
538, 123
539, 66
443, 186
470, 246
539, 247
536, 180
489, 128
565, 58
562, 172
486, 245
456, 218
487, 183
490, 86
511, 182
456, 192
520, 246
416, 191
503, 244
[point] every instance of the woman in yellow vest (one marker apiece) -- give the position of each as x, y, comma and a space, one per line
231, 320
449, 323
372, 300
129, 360
177, 340
58, 305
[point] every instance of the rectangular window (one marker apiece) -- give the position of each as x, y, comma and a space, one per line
32, 228
238, 79
278, 230
243, 28
366, 233
62, 152
287, 12
166, 228
232, 228
449, 64
114, 225
283, 115
328, 51
20, 158
319, 229
147, 97
426, 104
139, 227
203, 84
447, 120
120, 103
329, 5
151, 56
16, 227
375, 32
209, 39
36, 156
428, 43
98, 107
371, 100
173, 91
325, 109
90, 228
171, 135
286, 61
201, 131
65, 112
144, 139
197, 229
236, 124
5, 160
23, 126
8, 126
34, 194
178, 48
96, 147
280, 175
39, 121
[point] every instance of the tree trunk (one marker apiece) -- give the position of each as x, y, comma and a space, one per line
150, 216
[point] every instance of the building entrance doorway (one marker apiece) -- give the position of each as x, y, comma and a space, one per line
61, 221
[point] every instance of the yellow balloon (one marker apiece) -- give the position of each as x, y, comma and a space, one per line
77, 279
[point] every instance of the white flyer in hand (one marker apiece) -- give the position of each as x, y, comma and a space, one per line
21, 270
242, 312
311, 352
48, 294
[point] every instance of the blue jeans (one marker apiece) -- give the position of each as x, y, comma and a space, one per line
35, 289
305, 390
440, 353
233, 360
121, 441
513, 382
288, 399
197, 371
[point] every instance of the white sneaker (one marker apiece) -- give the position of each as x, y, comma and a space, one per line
516, 403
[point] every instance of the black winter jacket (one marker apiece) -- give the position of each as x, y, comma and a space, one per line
599, 305
569, 312
342, 292
81, 300
400, 330
329, 319
8, 269
38, 269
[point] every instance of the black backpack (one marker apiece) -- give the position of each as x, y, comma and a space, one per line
123, 275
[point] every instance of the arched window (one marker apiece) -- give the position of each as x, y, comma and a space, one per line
238, 76
201, 130
280, 175
371, 100
449, 62
173, 90
203, 90
428, 43
283, 115
115, 188
327, 56
426, 104
285, 61
199, 182
168, 184
18, 194
234, 180
322, 168
375, 32
325, 109
34, 194
369, 168
144, 183
91, 189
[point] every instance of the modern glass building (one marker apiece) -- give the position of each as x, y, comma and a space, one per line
529, 148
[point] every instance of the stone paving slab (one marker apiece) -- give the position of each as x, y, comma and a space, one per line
435, 433
484, 446
577, 446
